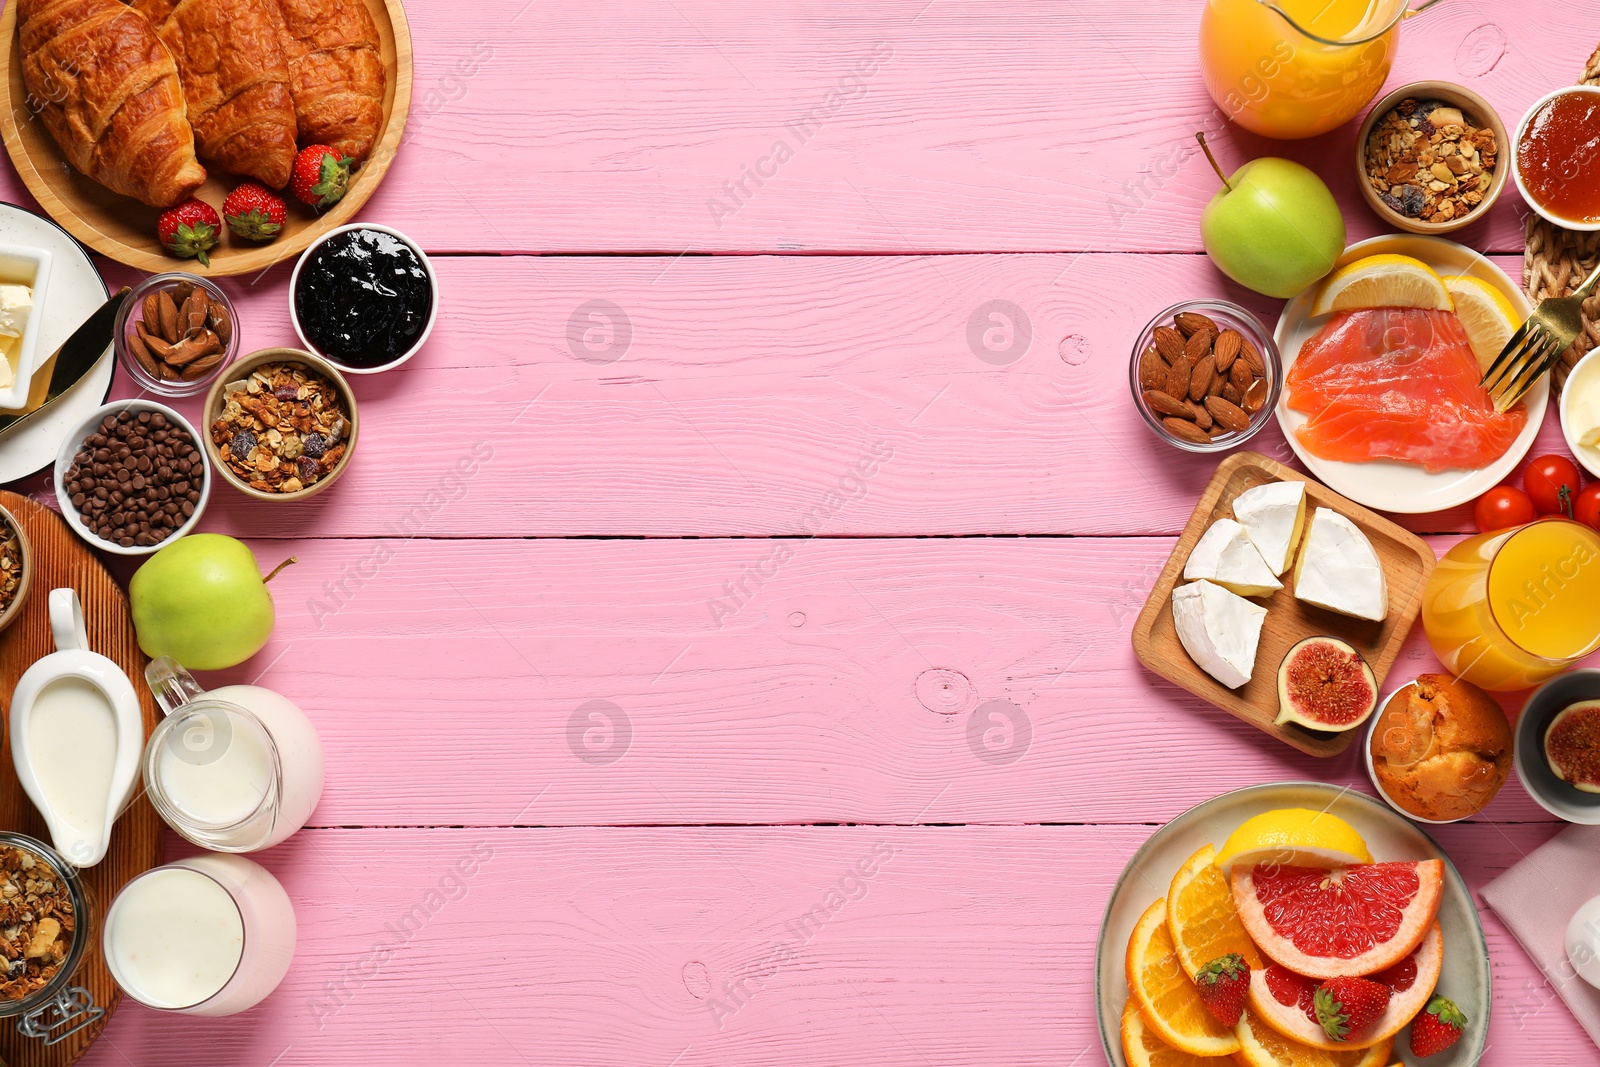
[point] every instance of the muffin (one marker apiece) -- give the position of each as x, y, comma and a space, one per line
1441, 748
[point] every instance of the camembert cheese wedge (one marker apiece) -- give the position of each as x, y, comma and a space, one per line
1274, 515
1339, 569
1225, 555
1219, 630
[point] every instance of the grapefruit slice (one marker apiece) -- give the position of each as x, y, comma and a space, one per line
1341, 921
1168, 999
1282, 999
1201, 917
1143, 1047
1262, 1046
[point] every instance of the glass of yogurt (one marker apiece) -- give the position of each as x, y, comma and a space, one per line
234, 769
207, 935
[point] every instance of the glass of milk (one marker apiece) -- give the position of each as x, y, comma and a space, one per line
208, 935
234, 769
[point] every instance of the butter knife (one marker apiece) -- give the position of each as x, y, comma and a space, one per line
77, 356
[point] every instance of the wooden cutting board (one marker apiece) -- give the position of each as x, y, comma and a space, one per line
60, 559
1407, 562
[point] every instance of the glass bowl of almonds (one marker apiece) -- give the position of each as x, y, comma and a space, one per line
175, 333
1205, 375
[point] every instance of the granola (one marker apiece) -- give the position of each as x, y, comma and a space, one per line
10, 565
282, 429
36, 922
1428, 161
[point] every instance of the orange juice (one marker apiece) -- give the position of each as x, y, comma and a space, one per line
1510, 609
1296, 68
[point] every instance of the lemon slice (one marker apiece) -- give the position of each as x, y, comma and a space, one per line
1386, 281
1295, 837
1488, 317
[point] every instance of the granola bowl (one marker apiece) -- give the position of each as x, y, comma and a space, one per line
16, 568
42, 993
1414, 206
280, 424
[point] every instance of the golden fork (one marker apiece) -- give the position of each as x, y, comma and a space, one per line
1535, 347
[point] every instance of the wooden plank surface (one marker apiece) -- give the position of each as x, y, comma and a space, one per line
965, 947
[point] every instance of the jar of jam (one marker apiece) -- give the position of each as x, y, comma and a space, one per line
363, 297
1553, 158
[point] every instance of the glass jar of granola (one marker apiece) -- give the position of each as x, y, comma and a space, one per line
44, 930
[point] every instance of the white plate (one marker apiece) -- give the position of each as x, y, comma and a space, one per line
76, 292
1386, 484
1465, 978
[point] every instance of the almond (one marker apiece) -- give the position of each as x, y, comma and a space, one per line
1231, 394
181, 291
1218, 380
1230, 417
1198, 346
1255, 396
220, 322
1152, 369
1200, 377
1201, 416
1162, 404
1186, 431
192, 348
1169, 343
200, 367
1191, 322
158, 347
141, 353
152, 306
194, 312
1240, 375
1227, 348
1178, 378
1252, 357
166, 323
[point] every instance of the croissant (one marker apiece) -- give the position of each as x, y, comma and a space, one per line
106, 88
236, 82
335, 70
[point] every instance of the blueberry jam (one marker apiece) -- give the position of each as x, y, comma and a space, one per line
363, 298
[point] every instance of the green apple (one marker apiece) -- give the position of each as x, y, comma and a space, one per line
202, 601
1273, 227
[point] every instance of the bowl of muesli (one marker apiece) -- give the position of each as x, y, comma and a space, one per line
1428, 157
280, 424
16, 568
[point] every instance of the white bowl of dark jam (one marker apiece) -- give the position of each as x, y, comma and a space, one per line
363, 297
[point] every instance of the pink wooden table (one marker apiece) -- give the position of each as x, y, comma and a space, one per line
607, 756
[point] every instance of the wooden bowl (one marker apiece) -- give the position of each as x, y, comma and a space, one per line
25, 550
1473, 107
124, 229
242, 369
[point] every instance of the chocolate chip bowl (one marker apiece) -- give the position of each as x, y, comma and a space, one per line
280, 424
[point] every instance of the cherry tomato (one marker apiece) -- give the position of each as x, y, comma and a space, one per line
1552, 484
1503, 508
1586, 509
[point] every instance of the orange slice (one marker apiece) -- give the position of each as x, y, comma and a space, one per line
1168, 999
1262, 1046
1144, 1048
1201, 917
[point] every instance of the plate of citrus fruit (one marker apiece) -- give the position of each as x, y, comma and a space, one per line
1295, 924
1382, 360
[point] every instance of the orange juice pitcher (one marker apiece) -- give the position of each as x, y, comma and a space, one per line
1510, 609
1297, 68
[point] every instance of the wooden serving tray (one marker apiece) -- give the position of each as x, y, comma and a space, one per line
124, 229
60, 559
1407, 561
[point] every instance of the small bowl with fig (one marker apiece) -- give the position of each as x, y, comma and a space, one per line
176, 333
1205, 375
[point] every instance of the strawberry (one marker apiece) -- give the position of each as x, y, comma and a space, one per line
255, 212
1348, 1007
189, 230
1223, 984
1436, 1027
320, 177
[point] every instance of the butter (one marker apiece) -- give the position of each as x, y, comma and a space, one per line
16, 304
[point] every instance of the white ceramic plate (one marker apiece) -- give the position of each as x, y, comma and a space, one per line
1384, 484
1465, 978
76, 291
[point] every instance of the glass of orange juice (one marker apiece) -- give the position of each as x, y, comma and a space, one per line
1509, 609
1297, 68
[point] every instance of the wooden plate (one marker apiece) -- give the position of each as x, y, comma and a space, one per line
61, 559
125, 230
1407, 561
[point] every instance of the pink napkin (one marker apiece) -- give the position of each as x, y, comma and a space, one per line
1537, 898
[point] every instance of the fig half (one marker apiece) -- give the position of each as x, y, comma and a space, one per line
1572, 745
1325, 684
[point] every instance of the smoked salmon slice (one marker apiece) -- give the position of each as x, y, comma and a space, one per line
1398, 383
